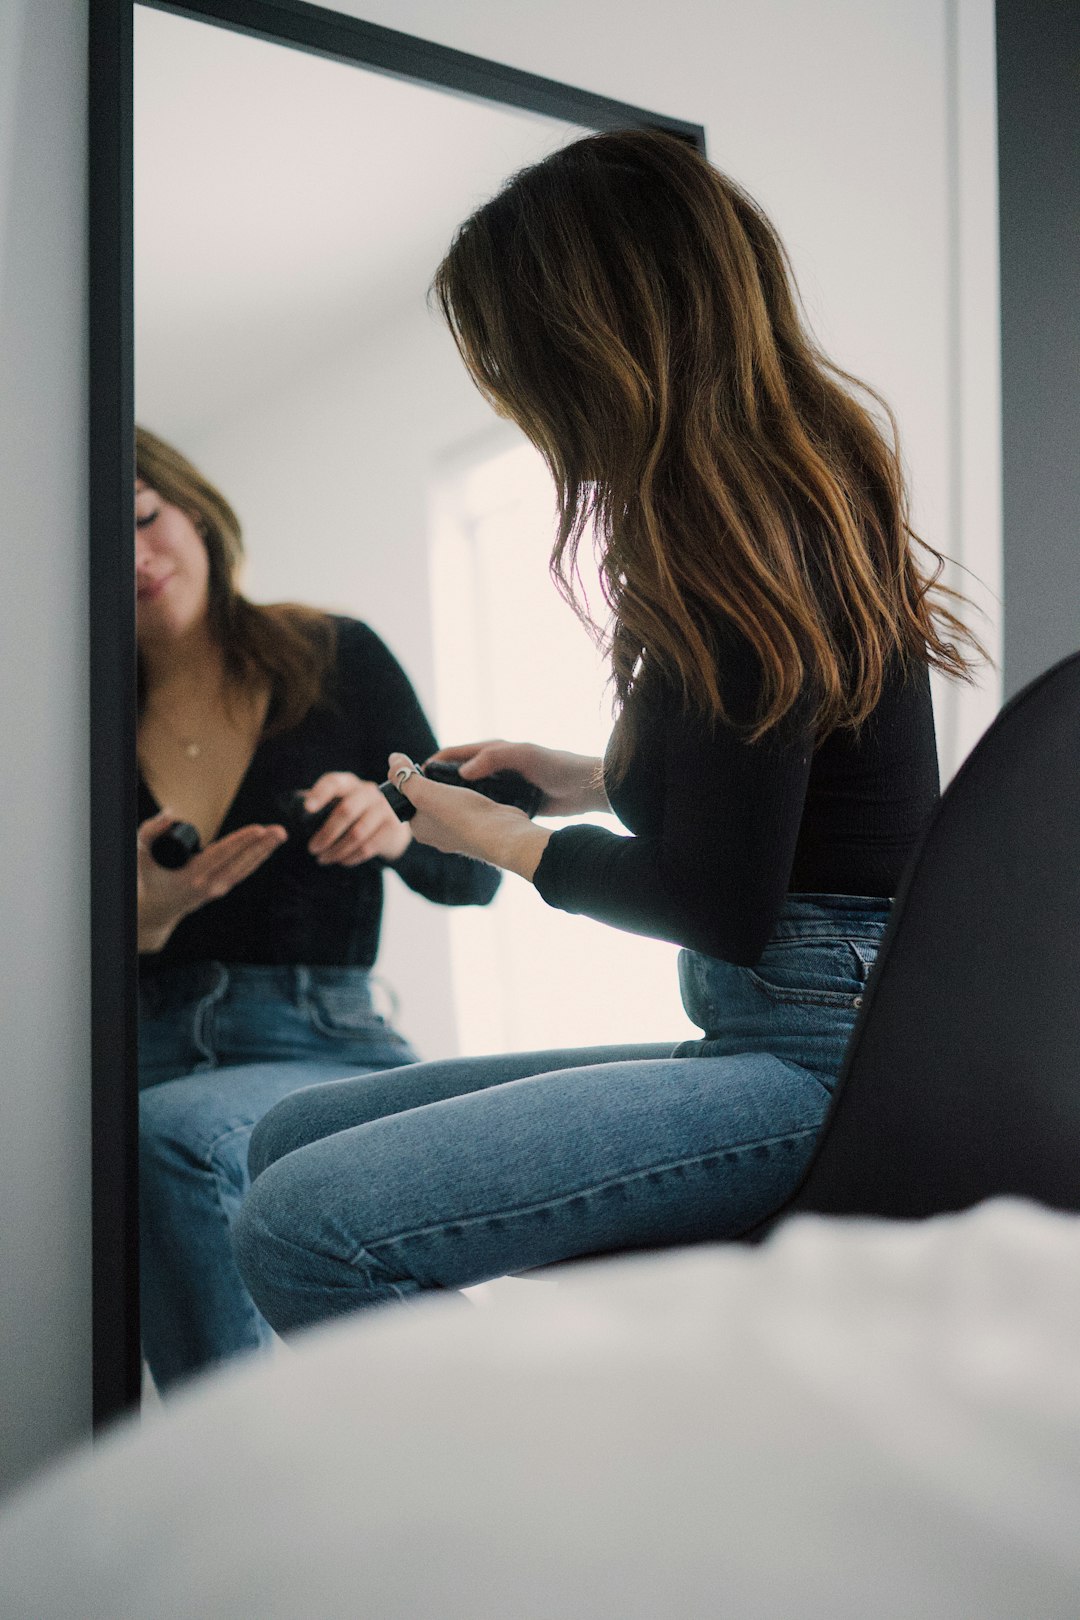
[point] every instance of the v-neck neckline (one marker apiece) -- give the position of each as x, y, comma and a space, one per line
223, 827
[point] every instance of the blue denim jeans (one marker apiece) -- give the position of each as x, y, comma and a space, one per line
447, 1174
219, 1044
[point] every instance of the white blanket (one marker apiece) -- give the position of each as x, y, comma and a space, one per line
858, 1421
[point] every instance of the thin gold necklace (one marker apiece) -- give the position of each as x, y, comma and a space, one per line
191, 747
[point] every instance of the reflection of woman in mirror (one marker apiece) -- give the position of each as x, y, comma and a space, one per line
255, 957
771, 636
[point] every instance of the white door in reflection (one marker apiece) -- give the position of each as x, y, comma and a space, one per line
511, 660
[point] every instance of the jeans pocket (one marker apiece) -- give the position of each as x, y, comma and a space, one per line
813, 972
343, 1011
343, 1017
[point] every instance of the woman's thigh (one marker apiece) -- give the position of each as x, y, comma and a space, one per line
206, 1118
570, 1162
326, 1110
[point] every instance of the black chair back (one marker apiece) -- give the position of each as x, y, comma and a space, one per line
962, 1080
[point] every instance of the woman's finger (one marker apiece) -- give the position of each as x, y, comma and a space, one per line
221, 850
331, 785
404, 773
344, 815
154, 826
217, 859
478, 759
230, 867
459, 751
243, 865
357, 836
486, 762
366, 853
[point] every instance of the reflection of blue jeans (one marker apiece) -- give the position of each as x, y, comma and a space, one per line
447, 1174
218, 1045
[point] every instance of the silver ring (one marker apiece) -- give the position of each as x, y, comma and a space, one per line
402, 776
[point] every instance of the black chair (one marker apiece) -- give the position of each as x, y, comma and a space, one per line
962, 1079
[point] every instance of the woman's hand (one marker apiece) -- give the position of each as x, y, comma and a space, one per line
167, 897
461, 822
572, 784
360, 826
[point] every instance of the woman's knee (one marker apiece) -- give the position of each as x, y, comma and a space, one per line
281, 1129
275, 1239
252, 1227
309, 1114
170, 1121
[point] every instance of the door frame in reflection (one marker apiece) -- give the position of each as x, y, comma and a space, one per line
113, 803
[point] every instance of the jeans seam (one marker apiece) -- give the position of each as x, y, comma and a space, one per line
217, 1172
362, 1259
724, 1154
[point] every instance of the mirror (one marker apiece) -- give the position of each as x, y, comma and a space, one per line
289, 211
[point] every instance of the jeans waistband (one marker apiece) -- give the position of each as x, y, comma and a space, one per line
191, 980
808, 916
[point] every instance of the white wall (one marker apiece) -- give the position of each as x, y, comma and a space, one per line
44, 902
860, 127
330, 475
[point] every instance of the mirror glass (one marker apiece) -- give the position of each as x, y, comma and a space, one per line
289, 214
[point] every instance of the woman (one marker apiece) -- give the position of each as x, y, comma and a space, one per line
255, 957
773, 759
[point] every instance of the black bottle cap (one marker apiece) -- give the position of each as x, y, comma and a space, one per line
402, 807
298, 822
176, 845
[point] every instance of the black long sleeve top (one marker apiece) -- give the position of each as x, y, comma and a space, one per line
291, 910
724, 829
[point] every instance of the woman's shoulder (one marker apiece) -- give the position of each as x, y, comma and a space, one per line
361, 654
354, 640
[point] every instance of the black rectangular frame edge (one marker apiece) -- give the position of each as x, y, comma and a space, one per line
324, 32
113, 796
116, 1372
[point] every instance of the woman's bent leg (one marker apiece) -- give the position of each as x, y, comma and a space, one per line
321, 1111
526, 1173
193, 1141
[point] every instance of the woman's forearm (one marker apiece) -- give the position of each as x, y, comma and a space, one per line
581, 788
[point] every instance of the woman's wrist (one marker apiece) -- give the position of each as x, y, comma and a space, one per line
518, 845
151, 940
591, 794
392, 859
155, 926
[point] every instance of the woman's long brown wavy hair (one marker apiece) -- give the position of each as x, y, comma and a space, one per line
634, 312
290, 646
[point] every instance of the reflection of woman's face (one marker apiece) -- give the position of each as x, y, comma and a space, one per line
172, 569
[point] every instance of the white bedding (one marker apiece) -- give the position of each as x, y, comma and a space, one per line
857, 1420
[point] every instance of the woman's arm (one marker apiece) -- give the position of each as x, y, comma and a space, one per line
378, 691
456, 818
572, 784
714, 874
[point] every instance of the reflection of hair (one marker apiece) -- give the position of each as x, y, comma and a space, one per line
289, 645
633, 311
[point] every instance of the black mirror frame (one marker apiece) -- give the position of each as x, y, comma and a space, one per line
113, 797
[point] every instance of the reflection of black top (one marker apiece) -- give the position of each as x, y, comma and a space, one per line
725, 829
291, 909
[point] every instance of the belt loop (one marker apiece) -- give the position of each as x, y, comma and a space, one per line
202, 1027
